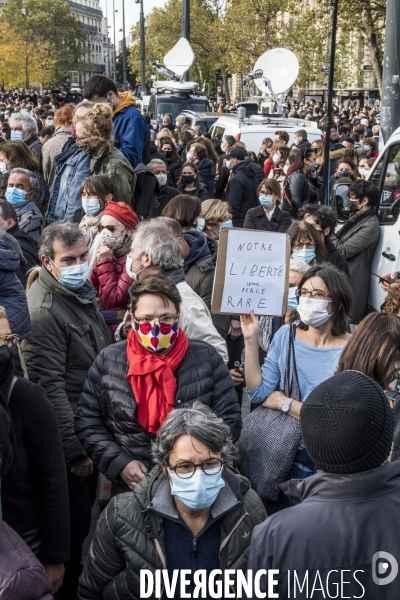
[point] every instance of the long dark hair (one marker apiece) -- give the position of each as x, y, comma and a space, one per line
298, 163
340, 291
169, 141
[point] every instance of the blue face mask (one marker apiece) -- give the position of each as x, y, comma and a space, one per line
265, 200
16, 136
199, 491
292, 299
226, 224
91, 206
74, 277
15, 196
306, 255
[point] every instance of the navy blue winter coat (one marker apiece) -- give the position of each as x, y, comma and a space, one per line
12, 293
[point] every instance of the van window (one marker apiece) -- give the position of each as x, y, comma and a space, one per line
386, 175
218, 132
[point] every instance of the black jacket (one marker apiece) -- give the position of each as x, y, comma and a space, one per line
334, 257
174, 170
242, 191
342, 521
206, 169
200, 192
106, 421
29, 250
259, 171
131, 536
257, 219
298, 191
35, 145
146, 192
165, 194
34, 492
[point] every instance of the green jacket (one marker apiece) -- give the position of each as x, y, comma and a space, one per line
111, 162
130, 535
68, 334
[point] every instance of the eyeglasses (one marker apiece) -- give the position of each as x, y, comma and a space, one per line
304, 246
9, 340
185, 470
165, 319
110, 228
316, 294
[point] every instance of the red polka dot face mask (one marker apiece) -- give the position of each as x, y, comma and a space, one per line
155, 335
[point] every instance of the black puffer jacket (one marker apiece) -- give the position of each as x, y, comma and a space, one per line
130, 536
298, 191
106, 421
242, 191
206, 169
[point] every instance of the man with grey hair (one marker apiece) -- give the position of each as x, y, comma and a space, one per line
68, 332
24, 129
20, 193
156, 250
165, 191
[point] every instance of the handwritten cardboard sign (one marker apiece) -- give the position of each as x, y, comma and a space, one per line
252, 272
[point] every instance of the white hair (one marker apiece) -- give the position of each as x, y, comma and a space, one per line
296, 264
32, 177
155, 238
28, 122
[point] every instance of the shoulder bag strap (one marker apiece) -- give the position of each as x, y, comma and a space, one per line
295, 388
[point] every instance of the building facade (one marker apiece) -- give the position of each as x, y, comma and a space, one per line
90, 15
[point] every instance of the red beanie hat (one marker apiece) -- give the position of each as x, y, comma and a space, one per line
123, 213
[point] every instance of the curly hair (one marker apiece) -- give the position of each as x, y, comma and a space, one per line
98, 122
64, 115
391, 306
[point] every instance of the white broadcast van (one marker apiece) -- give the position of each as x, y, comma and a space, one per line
252, 130
385, 173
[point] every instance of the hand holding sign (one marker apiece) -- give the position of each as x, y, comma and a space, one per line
250, 326
252, 272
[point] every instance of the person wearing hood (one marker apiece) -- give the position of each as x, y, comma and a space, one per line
192, 499
9, 223
165, 191
109, 275
347, 427
205, 166
173, 162
242, 187
130, 128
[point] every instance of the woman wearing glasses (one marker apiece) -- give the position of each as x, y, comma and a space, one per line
324, 300
109, 275
134, 385
191, 512
34, 493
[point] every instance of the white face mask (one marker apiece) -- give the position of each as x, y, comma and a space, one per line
162, 179
313, 312
132, 274
275, 158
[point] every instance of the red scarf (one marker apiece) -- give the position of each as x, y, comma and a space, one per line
152, 379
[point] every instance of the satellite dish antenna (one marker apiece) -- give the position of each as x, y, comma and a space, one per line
180, 58
280, 66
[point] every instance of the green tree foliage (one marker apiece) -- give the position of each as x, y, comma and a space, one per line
231, 35
45, 39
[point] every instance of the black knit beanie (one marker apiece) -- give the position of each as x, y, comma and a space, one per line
347, 424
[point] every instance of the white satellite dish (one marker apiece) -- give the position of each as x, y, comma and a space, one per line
280, 66
180, 58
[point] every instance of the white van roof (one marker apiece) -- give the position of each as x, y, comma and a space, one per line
260, 123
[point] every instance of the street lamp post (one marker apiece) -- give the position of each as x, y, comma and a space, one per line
186, 27
115, 47
390, 110
124, 67
142, 49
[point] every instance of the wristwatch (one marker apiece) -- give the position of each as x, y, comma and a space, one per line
286, 406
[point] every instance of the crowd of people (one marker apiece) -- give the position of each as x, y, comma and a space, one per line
121, 391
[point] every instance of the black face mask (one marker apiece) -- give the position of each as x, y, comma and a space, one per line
344, 174
167, 153
188, 178
353, 206
6, 363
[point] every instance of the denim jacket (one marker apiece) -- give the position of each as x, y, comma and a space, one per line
65, 202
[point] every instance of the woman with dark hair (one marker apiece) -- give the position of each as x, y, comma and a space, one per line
324, 301
95, 192
269, 163
306, 243
184, 209
265, 151
174, 163
189, 182
279, 159
184, 137
268, 216
300, 184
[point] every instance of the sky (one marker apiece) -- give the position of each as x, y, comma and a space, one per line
132, 13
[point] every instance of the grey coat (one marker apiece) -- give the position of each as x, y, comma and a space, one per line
356, 241
51, 149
